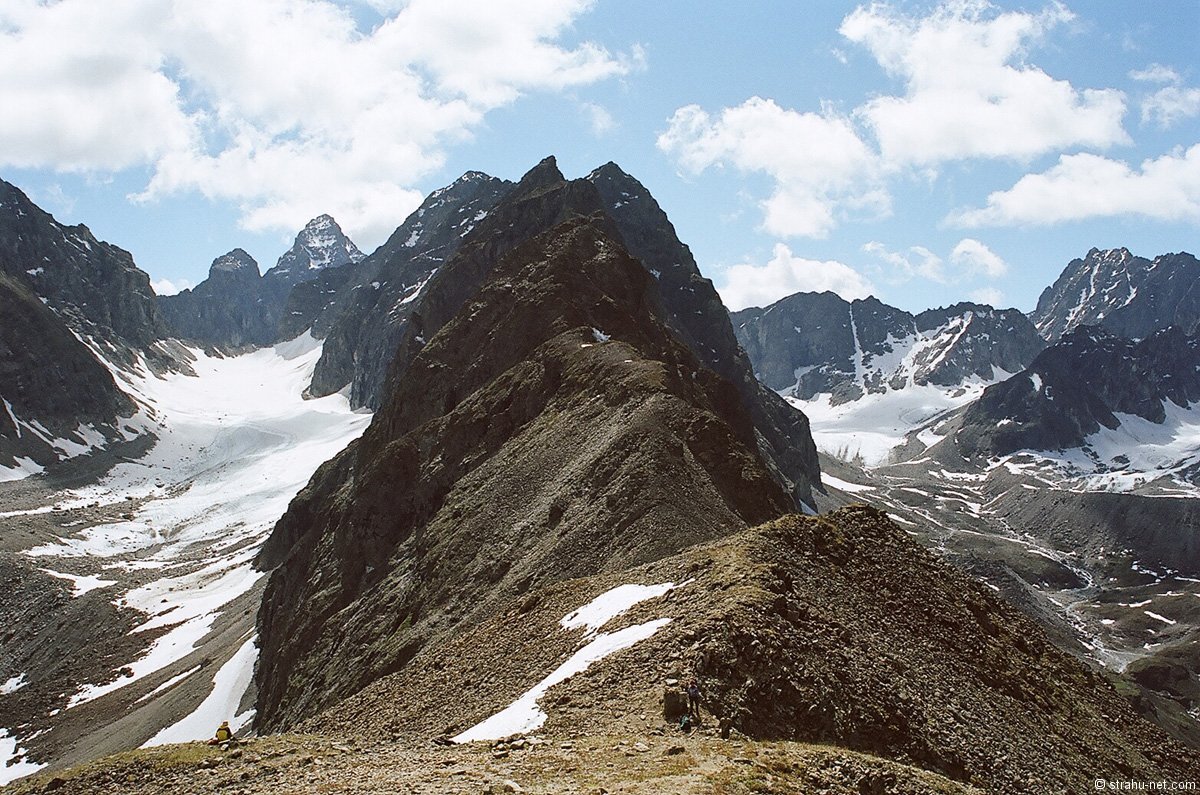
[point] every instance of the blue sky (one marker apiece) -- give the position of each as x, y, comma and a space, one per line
922, 152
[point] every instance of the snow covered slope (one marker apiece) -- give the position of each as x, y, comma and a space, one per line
866, 374
236, 442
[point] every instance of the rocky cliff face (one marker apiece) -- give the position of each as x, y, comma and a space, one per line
93, 286
1080, 385
230, 307
362, 314
812, 343
1128, 295
57, 397
60, 287
550, 425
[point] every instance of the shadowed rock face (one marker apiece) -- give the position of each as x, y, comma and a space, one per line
1127, 295
93, 286
59, 285
695, 313
552, 426
1077, 386
362, 312
230, 307
812, 343
49, 377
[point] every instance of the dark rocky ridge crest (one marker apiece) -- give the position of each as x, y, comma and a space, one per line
58, 286
361, 312
93, 286
551, 427
695, 313
228, 308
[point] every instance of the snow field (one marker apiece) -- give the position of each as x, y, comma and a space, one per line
235, 444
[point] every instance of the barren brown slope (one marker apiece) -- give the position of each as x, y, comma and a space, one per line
554, 428
837, 629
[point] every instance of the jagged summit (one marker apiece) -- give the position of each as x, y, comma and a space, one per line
541, 430
236, 262
1129, 295
320, 244
66, 299
1089, 380
94, 286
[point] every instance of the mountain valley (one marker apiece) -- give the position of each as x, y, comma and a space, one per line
465, 511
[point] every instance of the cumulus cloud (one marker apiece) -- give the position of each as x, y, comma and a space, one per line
282, 106
598, 118
1171, 104
817, 162
976, 258
969, 92
1085, 186
988, 295
748, 284
169, 287
903, 266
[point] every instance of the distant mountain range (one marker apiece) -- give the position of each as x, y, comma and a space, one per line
237, 306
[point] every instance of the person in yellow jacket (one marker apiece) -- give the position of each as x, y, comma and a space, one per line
224, 734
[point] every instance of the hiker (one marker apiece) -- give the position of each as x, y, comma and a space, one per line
224, 734
693, 694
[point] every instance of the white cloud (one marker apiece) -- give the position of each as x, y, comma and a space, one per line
1155, 73
968, 91
168, 287
282, 106
598, 118
1170, 104
918, 261
1090, 186
747, 284
819, 165
976, 258
988, 295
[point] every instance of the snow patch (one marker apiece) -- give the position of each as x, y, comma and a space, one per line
844, 485
81, 584
13, 685
524, 715
229, 685
13, 764
613, 603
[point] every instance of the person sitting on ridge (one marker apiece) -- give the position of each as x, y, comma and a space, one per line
224, 734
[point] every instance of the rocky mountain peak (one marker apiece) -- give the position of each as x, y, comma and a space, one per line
320, 244
1128, 294
94, 286
537, 430
236, 262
